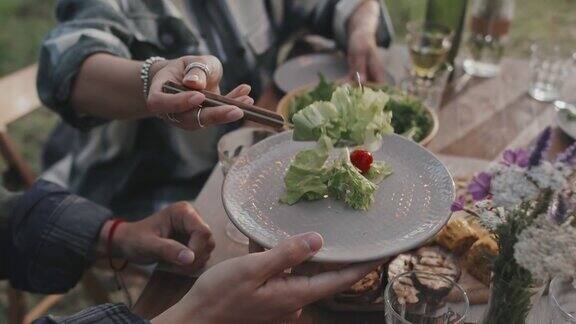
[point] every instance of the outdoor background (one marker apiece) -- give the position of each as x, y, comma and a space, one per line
23, 24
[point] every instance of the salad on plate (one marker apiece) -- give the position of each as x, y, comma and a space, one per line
351, 117
410, 117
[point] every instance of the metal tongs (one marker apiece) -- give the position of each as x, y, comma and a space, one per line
253, 113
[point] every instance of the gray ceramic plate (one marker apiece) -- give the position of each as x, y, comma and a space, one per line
411, 205
565, 124
303, 70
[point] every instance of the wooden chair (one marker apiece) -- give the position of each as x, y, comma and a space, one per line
18, 97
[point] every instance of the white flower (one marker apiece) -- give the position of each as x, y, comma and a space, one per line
548, 175
510, 186
489, 216
546, 249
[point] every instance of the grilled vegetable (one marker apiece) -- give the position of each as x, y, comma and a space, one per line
478, 260
364, 291
434, 259
403, 288
457, 236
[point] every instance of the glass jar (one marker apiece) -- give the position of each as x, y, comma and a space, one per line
489, 28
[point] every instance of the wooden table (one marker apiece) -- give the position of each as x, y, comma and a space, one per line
476, 125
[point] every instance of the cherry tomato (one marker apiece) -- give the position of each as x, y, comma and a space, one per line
362, 160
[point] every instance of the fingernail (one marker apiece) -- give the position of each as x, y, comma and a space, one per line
191, 77
186, 257
195, 98
235, 114
313, 240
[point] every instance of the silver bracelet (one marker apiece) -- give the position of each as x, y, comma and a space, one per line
145, 73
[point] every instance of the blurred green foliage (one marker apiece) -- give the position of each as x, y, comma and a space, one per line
23, 24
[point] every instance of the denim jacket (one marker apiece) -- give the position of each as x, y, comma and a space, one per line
47, 240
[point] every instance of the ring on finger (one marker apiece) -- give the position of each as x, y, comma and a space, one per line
198, 119
198, 65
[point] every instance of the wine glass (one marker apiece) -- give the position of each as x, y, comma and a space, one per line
562, 299
424, 297
429, 43
230, 147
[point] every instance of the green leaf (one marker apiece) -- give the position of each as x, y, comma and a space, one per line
352, 115
322, 92
315, 120
348, 184
409, 116
378, 172
306, 177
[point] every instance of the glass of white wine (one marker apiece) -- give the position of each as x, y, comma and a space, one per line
429, 43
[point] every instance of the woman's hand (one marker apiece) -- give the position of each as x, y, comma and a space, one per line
363, 56
153, 239
184, 107
255, 289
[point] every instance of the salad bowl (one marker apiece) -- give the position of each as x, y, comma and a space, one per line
410, 206
283, 109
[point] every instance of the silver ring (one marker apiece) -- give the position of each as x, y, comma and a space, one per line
198, 112
201, 66
171, 117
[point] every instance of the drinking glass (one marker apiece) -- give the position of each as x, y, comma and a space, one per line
549, 69
428, 44
489, 27
562, 299
230, 147
429, 90
447, 305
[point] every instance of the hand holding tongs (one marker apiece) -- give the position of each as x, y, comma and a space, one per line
253, 113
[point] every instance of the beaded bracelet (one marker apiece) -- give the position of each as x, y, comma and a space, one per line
145, 73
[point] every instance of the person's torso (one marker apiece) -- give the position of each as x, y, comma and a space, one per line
121, 160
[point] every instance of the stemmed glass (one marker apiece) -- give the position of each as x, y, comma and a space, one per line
429, 43
437, 299
230, 147
562, 299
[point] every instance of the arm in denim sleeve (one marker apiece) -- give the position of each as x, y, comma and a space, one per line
51, 238
101, 314
329, 18
85, 28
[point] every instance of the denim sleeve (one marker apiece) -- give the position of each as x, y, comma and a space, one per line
51, 238
329, 18
101, 314
345, 8
84, 28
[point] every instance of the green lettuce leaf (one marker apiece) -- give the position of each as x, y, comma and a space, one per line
322, 92
353, 115
378, 172
346, 183
319, 118
306, 177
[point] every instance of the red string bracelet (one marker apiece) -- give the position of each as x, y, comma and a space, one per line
115, 223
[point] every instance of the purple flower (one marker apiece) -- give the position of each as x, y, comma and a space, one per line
519, 157
479, 188
540, 148
558, 210
568, 155
458, 204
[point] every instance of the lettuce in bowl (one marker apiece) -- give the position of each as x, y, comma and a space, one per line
355, 116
